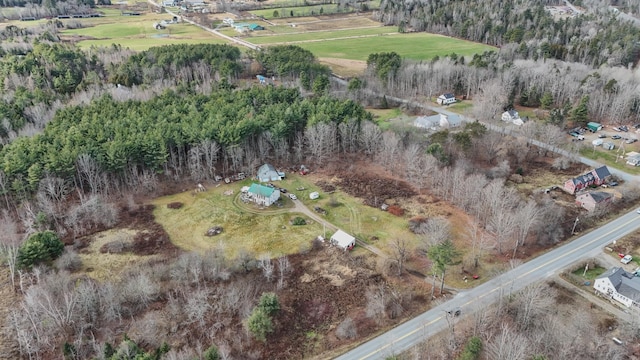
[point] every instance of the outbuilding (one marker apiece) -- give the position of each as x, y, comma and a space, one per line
343, 240
594, 126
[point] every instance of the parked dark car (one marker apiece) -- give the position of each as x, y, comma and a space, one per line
613, 183
616, 137
602, 136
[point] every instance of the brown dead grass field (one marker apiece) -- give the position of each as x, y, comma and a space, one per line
108, 266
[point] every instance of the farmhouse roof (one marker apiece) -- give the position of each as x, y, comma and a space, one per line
600, 196
624, 282
261, 190
602, 172
342, 239
448, 96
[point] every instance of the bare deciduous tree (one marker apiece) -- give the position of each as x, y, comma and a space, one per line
400, 253
267, 266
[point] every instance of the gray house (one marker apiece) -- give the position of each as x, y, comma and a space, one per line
619, 285
268, 173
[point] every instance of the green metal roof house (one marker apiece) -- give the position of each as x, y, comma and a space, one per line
263, 195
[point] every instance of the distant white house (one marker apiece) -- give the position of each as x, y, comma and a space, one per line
512, 116
446, 99
343, 240
619, 285
263, 195
268, 173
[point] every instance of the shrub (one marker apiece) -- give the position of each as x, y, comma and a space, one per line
269, 303
175, 205
347, 329
472, 349
299, 221
69, 261
395, 210
211, 353
42, 247
260, 324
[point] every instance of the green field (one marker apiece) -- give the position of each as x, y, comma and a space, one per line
288, 12
136, 32
247, 228
257, 38
608, 157
416, 46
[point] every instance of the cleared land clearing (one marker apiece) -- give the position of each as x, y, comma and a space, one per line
136, 32
299, 11
301, 25
416, 46
345, 67
245, 228
109, 266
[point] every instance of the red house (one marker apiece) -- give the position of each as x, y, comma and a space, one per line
594, 199
594, 177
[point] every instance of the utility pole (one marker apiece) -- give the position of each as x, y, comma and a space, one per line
573, 231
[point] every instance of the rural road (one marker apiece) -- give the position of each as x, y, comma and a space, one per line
408, 334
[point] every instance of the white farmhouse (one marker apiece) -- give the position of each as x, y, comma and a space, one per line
268, 173
446, 99
619, 285
343, 240
263, 195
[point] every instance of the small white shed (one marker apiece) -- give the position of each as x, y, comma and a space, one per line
343, 240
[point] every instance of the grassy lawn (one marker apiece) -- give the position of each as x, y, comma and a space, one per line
416, 46
349, 214
461, 107
608, 157
321, 35
136, 32
245, 227
591, 274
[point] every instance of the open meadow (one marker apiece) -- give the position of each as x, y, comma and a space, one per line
135, 32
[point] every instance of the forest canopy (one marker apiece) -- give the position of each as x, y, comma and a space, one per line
118, 134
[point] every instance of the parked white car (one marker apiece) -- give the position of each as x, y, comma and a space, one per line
293, 197
626, 259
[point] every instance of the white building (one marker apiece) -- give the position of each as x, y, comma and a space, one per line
263, 195
343, 240
619, 285
446, 99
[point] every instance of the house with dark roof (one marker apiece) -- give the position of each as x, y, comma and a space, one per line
268, 173
593, 200
263, 195
619, 285
594, 177
446, 99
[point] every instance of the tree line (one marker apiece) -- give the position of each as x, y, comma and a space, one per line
595, 38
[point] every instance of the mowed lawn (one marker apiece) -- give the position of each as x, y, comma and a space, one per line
259, 39
137, 32
246, 228
416, 46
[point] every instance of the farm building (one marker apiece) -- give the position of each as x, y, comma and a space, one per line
446, 99
619, 285
513, 117
343, 240
263, 195
268, 173
594, 177
594, 199
594, 126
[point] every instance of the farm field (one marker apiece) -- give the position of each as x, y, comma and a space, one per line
136, 32
416, 46
326, 35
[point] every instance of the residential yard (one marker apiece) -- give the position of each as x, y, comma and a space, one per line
246, 228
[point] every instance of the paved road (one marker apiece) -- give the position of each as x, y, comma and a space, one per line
408, 334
